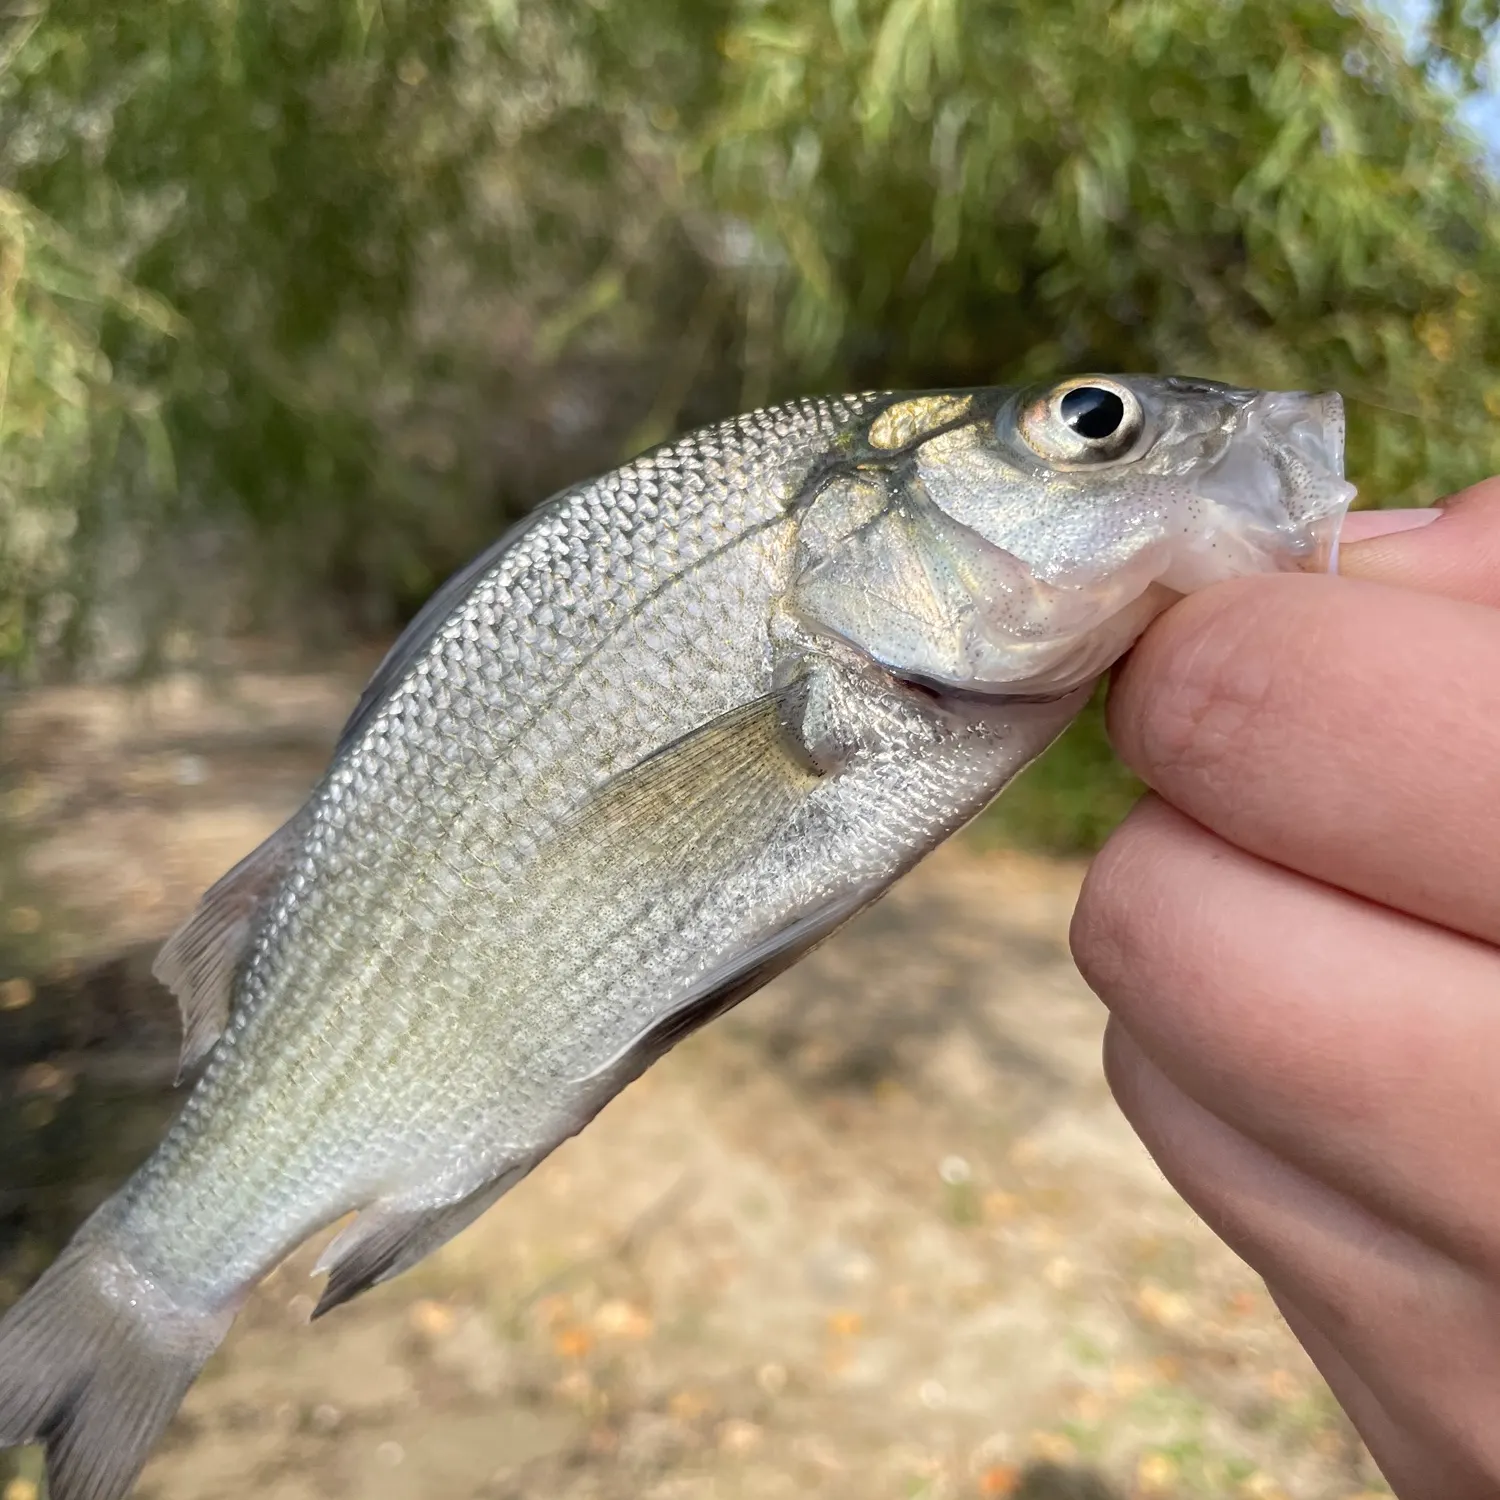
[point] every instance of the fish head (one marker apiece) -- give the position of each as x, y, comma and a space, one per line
1014, 543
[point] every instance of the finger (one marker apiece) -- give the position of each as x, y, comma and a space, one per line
1318, 722
1307, 1019
1414, 1468
1423, 1332
1459, 557
1361, 525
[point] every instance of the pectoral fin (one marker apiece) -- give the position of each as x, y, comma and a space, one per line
734, 762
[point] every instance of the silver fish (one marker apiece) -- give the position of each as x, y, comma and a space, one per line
674, 729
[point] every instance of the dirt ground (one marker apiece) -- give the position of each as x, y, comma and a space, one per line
879, 1233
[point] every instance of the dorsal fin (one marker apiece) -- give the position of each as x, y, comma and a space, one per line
199, 962
425, 625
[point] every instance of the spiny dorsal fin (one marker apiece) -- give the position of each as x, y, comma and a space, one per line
199, 962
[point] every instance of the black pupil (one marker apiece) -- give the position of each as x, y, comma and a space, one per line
1092, 412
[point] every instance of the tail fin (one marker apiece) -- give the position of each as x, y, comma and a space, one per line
94, 1361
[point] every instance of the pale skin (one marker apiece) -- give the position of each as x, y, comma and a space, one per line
1297, 935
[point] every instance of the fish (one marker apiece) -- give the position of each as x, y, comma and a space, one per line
669, 733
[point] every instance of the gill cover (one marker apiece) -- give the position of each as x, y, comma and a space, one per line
933, 602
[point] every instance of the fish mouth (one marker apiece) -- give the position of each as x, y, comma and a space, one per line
1277, 493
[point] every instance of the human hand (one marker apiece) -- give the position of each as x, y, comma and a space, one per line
1298, 938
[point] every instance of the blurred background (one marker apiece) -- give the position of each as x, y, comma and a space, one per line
300, 302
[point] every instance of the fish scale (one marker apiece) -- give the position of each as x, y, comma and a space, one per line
513, 602
655, 745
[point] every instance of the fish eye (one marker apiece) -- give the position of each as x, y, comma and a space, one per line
1092, 412
1083, 422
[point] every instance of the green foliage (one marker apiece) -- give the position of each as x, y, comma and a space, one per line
1266, 192
1459, 36
270, 174
64, 417
309, 295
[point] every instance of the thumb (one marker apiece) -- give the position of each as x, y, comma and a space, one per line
1458, 555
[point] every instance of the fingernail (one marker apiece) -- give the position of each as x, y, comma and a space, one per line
1362, 525
1365, 525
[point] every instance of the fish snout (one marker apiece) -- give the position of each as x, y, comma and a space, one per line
1309, 430
1279, 484
1311, 425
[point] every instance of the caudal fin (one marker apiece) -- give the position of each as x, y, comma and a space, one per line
94, 1360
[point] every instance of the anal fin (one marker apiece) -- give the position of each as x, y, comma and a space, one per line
200, 961
390, 1237
736, 979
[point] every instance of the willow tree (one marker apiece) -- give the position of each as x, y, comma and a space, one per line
309, 296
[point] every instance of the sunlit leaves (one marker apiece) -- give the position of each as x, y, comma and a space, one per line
1268, 192
345, 281
1459, 34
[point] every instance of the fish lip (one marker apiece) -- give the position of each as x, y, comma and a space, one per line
1279, 482
1320, 439
1311, 421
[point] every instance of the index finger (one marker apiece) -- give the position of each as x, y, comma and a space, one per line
1458, 557
1342, 729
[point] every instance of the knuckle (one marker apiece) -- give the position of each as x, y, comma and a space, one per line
1143, 934
1113, 921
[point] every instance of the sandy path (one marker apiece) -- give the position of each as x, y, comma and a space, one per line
881, 1232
